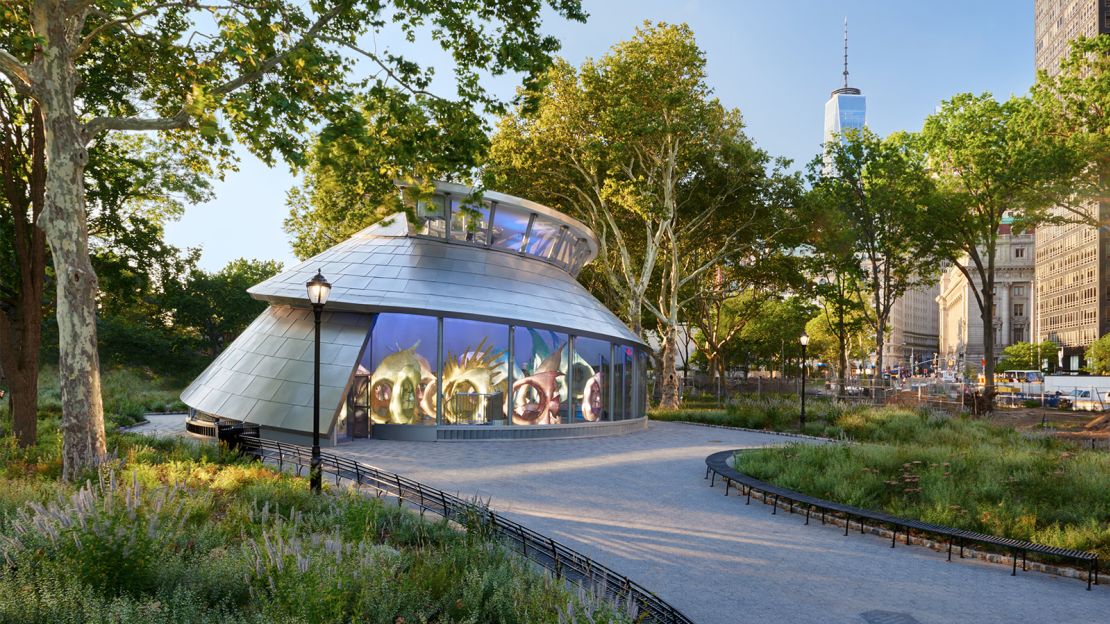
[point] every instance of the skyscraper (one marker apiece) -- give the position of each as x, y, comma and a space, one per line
1072, 261
847, 107
913, 322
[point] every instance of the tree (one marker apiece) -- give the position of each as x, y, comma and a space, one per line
835, 273
1098, 356
352, 168
22, 258
828, 344
991, 160
133, 187
1028, 356
780, 320
1073, 105
259, 72
214, 308
634, 145
879, 187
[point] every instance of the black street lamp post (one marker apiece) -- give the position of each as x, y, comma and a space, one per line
318, 291
805, 343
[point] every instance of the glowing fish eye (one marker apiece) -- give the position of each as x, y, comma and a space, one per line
383, 391
408, 395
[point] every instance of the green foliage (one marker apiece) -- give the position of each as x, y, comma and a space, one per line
824, 343
213, 308
878, 189
1097, 355
353, 165
992, 160
926, 464
635, 145
1028, 356
179, 532
128, 393
1073, 104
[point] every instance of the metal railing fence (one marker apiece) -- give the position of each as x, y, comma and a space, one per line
563, 561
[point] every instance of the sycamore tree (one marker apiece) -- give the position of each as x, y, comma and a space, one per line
779, 321
214, 308
1028, 356
208, 73
635, 145
991, 160
879, 187
1098, 356
835, 275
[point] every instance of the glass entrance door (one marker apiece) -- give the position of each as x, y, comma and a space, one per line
358, 408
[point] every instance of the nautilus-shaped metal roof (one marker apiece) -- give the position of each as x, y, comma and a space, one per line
503, 260
388, 268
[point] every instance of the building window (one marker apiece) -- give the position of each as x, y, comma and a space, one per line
1019, 310
1019, 291
1019, 252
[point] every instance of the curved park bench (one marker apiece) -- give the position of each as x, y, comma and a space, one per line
717, 465
564, 562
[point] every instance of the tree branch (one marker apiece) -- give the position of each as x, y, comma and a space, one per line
102, 124
16, 72
181, 119
122, 21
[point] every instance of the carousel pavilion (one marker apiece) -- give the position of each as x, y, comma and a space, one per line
467, 325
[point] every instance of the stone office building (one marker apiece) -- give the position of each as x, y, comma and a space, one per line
1072, 261
961, 325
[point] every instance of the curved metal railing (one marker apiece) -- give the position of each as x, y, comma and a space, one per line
717, 465
562, 561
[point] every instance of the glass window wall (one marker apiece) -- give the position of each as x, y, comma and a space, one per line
509, 226
433, 214
540, 360
550, 378
469, 222
475, 372
590, 385
544, 237
401, 364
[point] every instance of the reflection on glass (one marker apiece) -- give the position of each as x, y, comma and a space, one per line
545, 235
627, 388
540, 386
475, 371
591, 383
469, 222
403, 383
509, 225
433, 213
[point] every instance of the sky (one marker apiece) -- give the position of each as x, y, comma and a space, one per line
775, 60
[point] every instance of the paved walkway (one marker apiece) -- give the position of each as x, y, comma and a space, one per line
638, 503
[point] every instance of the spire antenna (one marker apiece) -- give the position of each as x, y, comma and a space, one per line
845, 52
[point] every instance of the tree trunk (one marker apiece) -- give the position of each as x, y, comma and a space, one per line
988, 347
21, 318
842, 366
64, 222
879, 342
670, 396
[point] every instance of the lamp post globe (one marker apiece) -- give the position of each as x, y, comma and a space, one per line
318, 291
804, 339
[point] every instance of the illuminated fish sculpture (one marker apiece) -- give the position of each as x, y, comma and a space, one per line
398, 386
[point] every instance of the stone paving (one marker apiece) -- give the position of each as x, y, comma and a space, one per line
639, 504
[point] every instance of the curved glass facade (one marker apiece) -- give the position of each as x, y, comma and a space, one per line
427, 370
506, 227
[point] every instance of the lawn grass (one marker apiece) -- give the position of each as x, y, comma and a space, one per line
956, 471
180, 532
170, 531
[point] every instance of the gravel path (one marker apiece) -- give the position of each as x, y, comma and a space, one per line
638, 503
